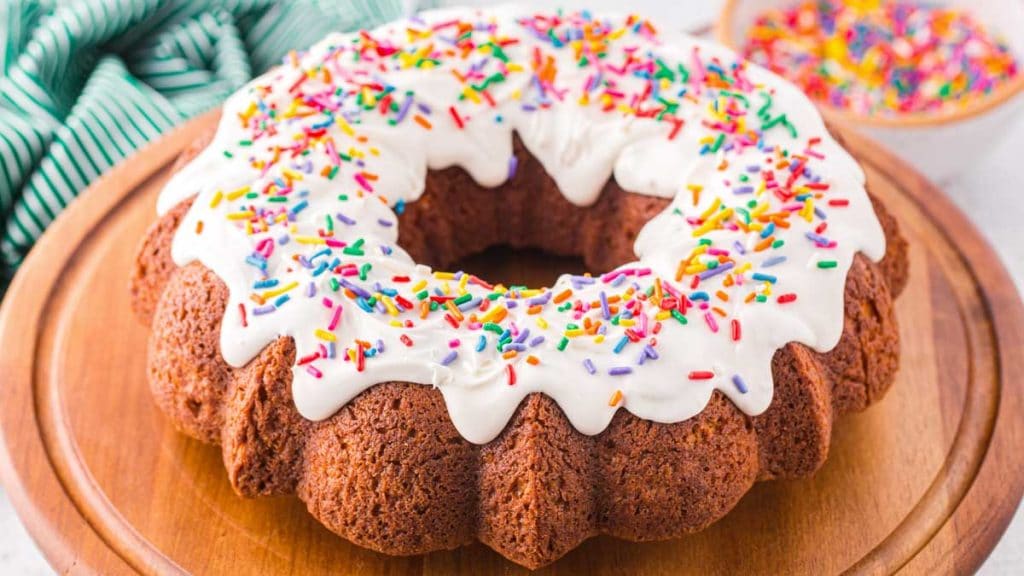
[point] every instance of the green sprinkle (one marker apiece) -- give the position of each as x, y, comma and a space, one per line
679, 316
827, 264
562, 344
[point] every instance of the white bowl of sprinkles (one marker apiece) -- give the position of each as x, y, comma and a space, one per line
941, 138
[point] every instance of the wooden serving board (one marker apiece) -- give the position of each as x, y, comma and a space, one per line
924, 481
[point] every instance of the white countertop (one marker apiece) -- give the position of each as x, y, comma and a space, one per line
984, 193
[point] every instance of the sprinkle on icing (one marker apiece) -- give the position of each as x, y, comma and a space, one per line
303, 188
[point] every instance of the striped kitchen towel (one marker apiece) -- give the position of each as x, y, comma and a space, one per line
87, 82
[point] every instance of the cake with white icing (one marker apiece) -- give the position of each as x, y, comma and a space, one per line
742, 299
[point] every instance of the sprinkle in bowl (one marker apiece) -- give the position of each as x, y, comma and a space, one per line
957, 88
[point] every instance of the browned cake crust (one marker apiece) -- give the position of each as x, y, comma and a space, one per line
390, 472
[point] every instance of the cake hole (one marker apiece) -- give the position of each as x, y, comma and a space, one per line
519, 266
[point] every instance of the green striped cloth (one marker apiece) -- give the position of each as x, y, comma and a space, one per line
87, 82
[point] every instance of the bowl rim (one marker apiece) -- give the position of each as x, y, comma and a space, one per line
1001, 95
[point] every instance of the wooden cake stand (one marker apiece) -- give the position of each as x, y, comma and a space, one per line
925, 481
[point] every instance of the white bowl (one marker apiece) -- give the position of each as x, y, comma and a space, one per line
940, 144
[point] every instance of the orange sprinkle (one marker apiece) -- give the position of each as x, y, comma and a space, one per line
616, 398
562, 296
764, 244
199, 227
532, 360
423, 121
509, 355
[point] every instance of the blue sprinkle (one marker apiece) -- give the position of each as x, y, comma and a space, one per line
621, 344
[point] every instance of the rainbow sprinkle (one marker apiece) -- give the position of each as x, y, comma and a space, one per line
633, 306
881, 56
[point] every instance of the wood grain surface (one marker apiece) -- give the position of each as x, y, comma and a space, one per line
923, 482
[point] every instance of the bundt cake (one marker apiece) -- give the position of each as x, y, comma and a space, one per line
748, 300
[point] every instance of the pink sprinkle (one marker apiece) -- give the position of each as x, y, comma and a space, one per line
454, 343
363, 183
710, 319
312, 370
336, 319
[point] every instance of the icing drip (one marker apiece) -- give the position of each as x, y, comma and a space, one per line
297, 198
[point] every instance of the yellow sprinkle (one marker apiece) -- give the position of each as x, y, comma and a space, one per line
310, 240
325, 335
278, 291
498, 312
711, 209
663, 315
471, 94
345, 127
419, 286
216, 199
389, 305
241, 215
444, 275
236, 194
574, 333
291, 174
542, 323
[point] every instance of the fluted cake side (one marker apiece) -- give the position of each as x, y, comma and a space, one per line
390, 472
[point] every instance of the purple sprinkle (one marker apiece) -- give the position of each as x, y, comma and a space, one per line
380, 346
403, 110
311, 290
473, 303
743, 190
716, 271
513, 163
522, 336
345, 219
620, 371
651, 352
605, 310
540, 300
359, 291
385, 223
589, 365
818, 239
449, 358
515, 346
264, 310
536, 341
740, 384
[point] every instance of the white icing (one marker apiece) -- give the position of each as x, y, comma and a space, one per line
581, 147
